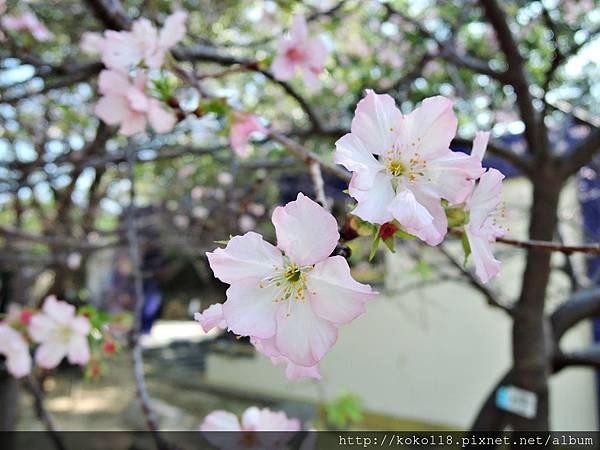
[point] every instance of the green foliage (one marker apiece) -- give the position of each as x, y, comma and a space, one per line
345, 411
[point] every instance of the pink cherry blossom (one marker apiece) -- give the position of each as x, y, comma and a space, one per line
126, 103
415, 167
293, 296
253, 419
91, 43
29, 22
16, 351
60, 334
211, 317
481, 229
123, 50
244, 125
299, 52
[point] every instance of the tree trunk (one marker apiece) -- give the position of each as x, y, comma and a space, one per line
532, 348
531, 332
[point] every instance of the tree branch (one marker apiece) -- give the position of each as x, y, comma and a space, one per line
583, 305
581, 155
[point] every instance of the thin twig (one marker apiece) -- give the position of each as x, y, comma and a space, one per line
318, 183
42, 413
138, 362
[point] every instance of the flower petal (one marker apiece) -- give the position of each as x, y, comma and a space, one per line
432, 125
451, 175
302, 336
160, 119
211, 317
413, 216
79, 350
485, 198
480, 144
334, 295
486, 266
247, 256
49, 354
112, 109
305, 231
173, 30
283, 68
251, 310
377, 122
58, 310
373, 204
220, 421
350, 152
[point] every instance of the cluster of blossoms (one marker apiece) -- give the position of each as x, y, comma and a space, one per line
291, 298
56, 330
124, 85
253, 419
25, 22
403, 172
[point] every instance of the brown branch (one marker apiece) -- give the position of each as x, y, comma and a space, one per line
583, 305
309, 156
587, 357
138, 362
581, 155
534, 131
545, 246
42, 413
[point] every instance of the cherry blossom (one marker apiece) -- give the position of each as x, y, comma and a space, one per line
481, 229
299, 52
291, 298
16, 351
253, 419
211, 317
60, 334
414, 169
126, 103
29, 22
123, 50
91, 43
244, 125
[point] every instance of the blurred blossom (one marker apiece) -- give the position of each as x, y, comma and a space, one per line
186, 171
225, 178
197, 192
126, 103
15, 350
60, 334
74, 260
181, 221
200, 212
257, 209
243, 127
340, 89
246, 223
254, 419
298, 52
29, 22
122, 50
91, 43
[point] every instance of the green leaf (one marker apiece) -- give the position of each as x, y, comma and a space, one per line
391, 244
404, 235
466, 247
374, 245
